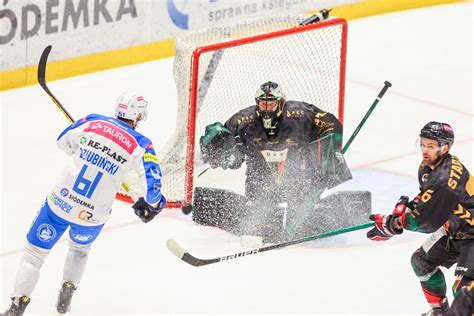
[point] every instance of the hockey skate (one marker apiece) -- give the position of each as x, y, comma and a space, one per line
18, 306
438, 311
65, 296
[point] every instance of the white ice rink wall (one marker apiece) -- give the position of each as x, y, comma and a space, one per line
91, 35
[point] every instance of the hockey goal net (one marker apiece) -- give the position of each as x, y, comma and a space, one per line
218, 70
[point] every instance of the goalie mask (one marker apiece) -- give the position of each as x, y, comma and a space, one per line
441, 132
270, 101
132, 107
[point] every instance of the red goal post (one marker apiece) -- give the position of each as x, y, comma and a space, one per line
218, 70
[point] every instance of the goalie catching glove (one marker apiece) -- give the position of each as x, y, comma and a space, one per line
219, 147
384, 224
147, 212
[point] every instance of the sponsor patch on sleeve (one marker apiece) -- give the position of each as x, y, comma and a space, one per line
150, 158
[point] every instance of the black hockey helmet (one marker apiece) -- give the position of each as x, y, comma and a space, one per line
441, 132
270, 91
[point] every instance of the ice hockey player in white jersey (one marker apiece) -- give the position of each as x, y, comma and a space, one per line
103, 150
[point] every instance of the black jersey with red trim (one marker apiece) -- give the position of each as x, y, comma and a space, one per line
283, 159
446, 198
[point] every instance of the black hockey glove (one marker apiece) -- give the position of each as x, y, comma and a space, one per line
383, 229
232, 159
145, 211
226, 158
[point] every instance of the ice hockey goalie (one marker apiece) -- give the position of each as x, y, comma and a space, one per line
292, 151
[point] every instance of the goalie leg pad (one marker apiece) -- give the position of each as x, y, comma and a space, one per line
220, 208
336, 211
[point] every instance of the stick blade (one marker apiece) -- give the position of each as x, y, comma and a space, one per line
182, 254
175, 248
42, 66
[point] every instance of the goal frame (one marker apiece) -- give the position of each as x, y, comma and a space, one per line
194, 82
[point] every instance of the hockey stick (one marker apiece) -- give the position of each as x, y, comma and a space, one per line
42, 81
182, 254
364, 119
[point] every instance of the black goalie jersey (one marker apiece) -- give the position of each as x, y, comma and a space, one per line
286, 163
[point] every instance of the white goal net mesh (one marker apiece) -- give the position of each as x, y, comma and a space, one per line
218, 70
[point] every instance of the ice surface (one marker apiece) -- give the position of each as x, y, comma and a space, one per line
426, 54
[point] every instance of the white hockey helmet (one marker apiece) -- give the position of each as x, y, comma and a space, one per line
131, 106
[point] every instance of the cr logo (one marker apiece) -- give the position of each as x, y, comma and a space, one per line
84, 215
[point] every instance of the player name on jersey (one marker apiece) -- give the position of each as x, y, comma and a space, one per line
98, 161
107, 150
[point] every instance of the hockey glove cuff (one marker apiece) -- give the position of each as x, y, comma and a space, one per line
401, 206
414, 203
145, 211
384, 229
404, 205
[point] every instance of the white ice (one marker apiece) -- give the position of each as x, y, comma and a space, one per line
426, 54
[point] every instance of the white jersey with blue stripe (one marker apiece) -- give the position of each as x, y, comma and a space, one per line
104, 150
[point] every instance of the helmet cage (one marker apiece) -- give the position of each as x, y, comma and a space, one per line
270, 91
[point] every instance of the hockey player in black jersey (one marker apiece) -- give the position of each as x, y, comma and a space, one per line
445, 208
292, 152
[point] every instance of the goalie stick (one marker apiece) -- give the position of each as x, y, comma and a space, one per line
179, 251
42, 82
